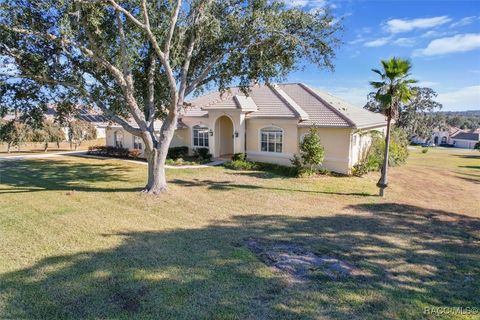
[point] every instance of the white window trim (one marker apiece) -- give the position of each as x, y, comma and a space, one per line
202, 126
140, 142
260, 140
115, 133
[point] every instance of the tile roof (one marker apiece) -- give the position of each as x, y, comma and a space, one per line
473, 136
295, 100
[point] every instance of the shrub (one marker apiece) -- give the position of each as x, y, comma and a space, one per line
109, 151
202, 154
424, 150
360, 169
240, 165
177, 152
311, 149
134, 153
239, 156
373, 159
311, 155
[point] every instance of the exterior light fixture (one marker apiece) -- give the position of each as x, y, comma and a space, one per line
211, 132
236, 134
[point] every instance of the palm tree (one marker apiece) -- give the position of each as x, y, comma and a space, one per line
393, 90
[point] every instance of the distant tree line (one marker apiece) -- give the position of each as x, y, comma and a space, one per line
18, 131
462, 120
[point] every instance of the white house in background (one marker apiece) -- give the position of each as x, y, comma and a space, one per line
85, 114
439, 136
269, 124
454, 137
466, 139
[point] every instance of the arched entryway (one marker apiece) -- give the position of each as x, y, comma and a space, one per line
224, 136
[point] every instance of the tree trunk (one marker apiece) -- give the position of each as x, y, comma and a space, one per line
45, 148
383, 182
156, 156
157, 182
8, 147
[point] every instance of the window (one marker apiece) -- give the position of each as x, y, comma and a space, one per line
271, 139
137, 143
200, 136
118, 136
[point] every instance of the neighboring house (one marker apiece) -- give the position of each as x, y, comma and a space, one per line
453, 137
89, 115
466, 139
269, 124
439, 136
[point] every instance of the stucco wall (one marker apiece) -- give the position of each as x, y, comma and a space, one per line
460, 143
289, 147
181, 138
336, 143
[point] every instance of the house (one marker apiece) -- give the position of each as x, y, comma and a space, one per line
453, 137
466, 139
268, 125
440, 136
85, 114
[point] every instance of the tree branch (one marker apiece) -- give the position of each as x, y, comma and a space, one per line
127, 14
173, 23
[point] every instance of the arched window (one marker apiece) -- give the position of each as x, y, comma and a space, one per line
118, 136
137, 143
271, 139
200, 136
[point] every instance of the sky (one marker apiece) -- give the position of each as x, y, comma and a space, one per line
440, 38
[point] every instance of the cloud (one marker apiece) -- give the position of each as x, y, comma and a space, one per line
377, 42
466, 98
427, 84
457, 43
399, 25
314, 4
405, 42
464, 21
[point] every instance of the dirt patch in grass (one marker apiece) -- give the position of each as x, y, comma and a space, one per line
300, 262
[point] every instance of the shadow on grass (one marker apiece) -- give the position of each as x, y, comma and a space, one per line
467, 156
413, 257
39, 175
229, 185
470, 167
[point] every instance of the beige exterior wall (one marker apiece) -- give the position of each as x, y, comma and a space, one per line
343, 147
127, 137
181, 138
290, 138
336, 142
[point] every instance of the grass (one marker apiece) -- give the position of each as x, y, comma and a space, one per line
77, 241
34, 147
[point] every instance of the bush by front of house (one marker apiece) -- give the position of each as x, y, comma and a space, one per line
176, 155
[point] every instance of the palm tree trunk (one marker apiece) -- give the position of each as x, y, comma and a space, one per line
383, 182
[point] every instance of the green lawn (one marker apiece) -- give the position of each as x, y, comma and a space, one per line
78, 241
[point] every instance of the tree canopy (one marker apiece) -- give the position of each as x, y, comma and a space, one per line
137, 60
418, 117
